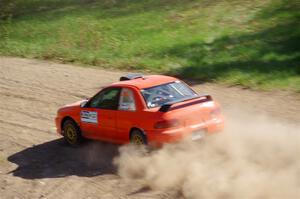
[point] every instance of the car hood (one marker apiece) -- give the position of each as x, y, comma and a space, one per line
71, 106
75, 104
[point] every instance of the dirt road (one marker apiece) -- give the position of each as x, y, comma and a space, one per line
35, 162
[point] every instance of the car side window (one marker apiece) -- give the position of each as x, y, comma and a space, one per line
106, 99
127, 102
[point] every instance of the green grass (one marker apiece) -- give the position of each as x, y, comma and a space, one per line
253, 43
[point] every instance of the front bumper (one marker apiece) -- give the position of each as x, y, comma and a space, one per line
58, 125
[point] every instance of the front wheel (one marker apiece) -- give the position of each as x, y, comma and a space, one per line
138, 138
72, 133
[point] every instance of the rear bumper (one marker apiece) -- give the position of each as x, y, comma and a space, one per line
159, 137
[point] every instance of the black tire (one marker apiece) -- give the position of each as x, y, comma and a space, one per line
138, 138
72, 133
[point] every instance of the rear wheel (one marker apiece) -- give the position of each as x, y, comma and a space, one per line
138, 138
72, 133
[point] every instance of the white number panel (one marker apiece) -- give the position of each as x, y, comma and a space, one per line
89, 116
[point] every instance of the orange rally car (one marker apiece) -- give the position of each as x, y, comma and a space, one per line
151, 110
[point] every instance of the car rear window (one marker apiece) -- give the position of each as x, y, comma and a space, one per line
167, 93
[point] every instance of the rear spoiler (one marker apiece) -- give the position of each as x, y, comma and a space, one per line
202, 98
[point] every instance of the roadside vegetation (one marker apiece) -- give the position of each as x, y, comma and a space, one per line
252, 43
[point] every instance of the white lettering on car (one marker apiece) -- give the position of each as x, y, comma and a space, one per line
89, 116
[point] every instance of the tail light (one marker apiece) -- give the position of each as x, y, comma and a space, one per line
164, 124
216, 112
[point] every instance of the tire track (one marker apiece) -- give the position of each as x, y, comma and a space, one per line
35, 116
24, 126
41, 88
8, 94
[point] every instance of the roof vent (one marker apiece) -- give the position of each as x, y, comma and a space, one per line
131, 76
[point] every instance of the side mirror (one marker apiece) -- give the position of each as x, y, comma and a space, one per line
82, 105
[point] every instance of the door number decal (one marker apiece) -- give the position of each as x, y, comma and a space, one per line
89, 116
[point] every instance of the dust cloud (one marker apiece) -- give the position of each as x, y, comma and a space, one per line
255, 157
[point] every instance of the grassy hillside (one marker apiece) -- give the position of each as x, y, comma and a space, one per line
254, 43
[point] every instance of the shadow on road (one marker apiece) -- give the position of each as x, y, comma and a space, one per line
56, 159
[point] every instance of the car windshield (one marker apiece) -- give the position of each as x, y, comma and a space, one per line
167, 93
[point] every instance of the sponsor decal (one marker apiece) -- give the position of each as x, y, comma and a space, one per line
89, 116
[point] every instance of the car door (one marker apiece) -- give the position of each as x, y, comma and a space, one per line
127, 114
98, 117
